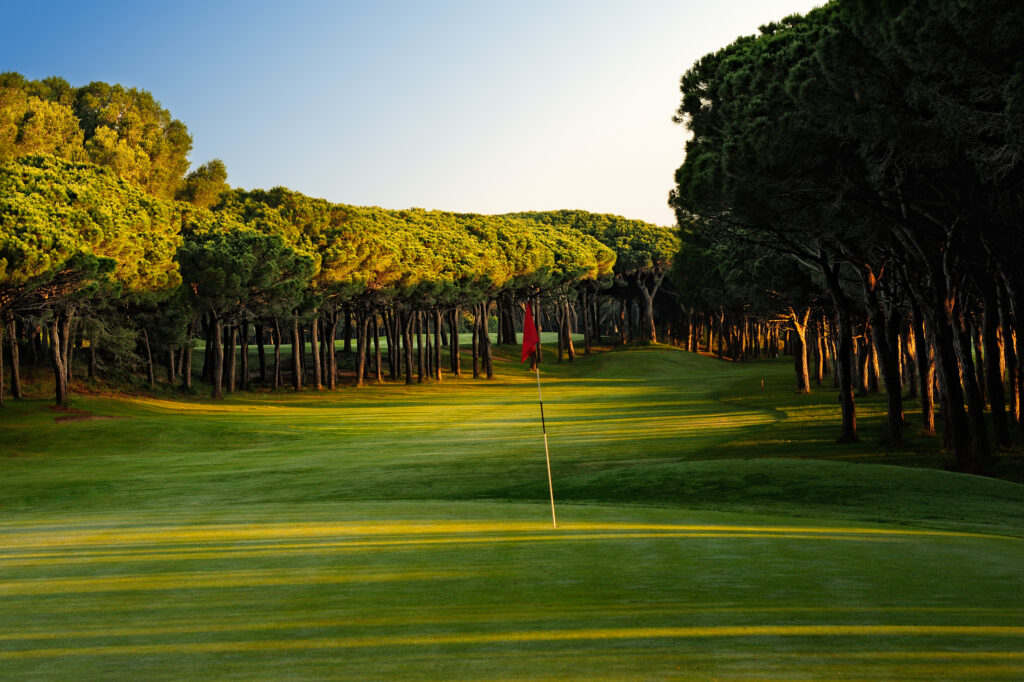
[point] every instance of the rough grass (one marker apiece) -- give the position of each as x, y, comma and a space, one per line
707, 530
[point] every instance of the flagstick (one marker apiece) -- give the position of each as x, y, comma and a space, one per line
547, 456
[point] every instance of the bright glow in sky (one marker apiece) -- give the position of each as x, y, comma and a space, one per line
476, 105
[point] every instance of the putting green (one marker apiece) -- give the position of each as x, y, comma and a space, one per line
405, 533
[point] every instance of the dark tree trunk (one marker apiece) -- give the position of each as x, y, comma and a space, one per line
981, 449
376, 349
261, 352
217, 356
60, 376
923, 355
208, 349
437, 344
332, 355
1012, 369
347, 331
150, 375
428, 344
314, 344
485, 340
361, 322
476, 341
418, 317
277, 353
3, 329
623, 321
819, 346
15, 359
648, 334
407, 327
884, 336
803, 376
993, 369
297, 350
844, 352
392, 341
974, 333
560, 332
232, 334
585, 307
453, 343
186, 367
245, 356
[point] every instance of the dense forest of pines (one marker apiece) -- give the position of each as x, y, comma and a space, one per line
860, 172
852, 195
111, 255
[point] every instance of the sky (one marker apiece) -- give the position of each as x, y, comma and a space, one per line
468, 106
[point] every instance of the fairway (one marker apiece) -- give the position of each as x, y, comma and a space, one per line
706, 530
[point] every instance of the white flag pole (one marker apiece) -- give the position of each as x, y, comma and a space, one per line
544, 428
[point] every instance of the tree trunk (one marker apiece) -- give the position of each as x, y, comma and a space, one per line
314, 341
149, 359
453, 343
437, 344
60, 375
407, 327
232, 334
217, 356
70, 329
186, 367
297, 350
648, 334
803, 376
245, 355
569, 348
361, 321
476, 341
1010, 353
15, 358
418, 317
391, 335
376, 349
884, 336
925, 370
208, 349
587, 322
623, 321
428, 344
485, 340
3, 328
844, 352
347, 332
993, 370
261, 352
277, 353
559, 325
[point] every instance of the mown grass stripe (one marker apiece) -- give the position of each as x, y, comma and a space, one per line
528, 636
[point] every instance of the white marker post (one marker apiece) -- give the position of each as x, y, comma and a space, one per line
531, 348
547, 455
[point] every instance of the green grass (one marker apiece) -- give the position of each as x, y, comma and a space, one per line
706, 530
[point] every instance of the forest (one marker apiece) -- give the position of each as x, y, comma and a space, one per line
110, 253
851, 196
859, 172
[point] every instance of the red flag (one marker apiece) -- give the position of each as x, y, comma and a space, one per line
530, 337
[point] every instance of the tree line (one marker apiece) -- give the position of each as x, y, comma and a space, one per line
110, 253
858, 174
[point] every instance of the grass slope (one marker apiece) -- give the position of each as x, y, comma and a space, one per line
707, 530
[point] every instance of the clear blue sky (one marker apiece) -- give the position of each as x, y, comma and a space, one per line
477, 106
